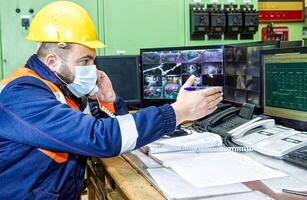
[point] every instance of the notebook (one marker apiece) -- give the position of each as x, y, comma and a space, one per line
192, 142
196, 142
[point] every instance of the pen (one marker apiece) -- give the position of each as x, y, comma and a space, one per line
302, 193
193, 88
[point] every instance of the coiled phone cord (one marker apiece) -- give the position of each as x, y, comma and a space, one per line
165, 148
104, 109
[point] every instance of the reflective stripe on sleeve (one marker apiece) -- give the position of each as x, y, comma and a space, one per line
1, 87
129, 133
60, 97
87, 109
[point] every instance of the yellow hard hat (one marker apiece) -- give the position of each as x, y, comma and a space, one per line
64, 21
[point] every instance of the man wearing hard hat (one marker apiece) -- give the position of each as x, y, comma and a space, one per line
46, 129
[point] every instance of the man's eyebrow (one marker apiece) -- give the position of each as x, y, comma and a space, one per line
87, 57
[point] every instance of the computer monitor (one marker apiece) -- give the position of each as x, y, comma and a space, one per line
242, 72
123, 70
288, 44
284, 82
164, 70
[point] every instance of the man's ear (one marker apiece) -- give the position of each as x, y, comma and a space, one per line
52, 62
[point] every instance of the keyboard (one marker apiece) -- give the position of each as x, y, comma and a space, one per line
298, 157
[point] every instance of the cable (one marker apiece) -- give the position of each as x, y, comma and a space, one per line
104, 109
198, 126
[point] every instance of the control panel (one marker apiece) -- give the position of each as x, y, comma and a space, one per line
217, 21
228, 21
234, 21
199, 21
250, 21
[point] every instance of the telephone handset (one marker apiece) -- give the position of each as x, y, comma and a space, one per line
219, 117
266, 123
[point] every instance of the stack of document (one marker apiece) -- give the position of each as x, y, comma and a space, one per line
214, 169
209, 174
255, 195
203, 174
175, 187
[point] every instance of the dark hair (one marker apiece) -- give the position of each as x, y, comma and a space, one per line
61, 49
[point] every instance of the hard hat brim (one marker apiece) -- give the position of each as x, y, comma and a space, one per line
93, 44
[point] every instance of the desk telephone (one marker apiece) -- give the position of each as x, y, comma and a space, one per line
275, 142
234, 122
279, 145
248, 130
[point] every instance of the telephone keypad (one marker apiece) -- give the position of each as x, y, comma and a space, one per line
228, 125
298, 157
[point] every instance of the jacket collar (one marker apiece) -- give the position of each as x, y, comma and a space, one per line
42, 70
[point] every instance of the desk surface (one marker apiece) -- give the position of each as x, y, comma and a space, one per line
135, 186
131, 184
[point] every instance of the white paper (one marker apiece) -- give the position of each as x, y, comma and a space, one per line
174, 187
256, 195
295, 181
164, 158
148, 162
213, 169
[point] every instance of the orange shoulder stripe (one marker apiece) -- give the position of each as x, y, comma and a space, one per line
23, 71
57, 157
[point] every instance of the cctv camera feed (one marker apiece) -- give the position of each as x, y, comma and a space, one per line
242, 74
165, 71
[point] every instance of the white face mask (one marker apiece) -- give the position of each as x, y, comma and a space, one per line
84, 82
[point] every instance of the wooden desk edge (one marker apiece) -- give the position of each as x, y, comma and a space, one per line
132, 184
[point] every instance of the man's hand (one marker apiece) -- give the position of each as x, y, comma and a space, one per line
192, 105
105, 90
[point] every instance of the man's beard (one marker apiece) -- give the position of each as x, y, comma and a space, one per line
65, 74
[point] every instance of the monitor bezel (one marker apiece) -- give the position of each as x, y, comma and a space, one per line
290, 44
157, 102
296, 124
135, 102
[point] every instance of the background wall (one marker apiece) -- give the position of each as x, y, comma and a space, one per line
124, 25
132, 24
